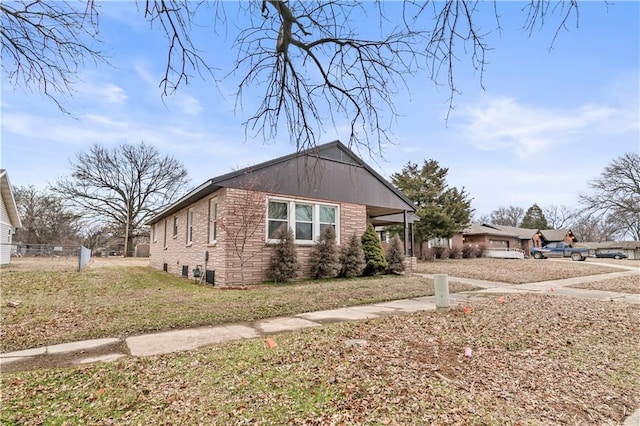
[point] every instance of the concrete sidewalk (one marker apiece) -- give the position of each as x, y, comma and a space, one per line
182, 340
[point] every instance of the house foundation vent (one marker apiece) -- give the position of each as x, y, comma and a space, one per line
165, 267
185, 271
210, 277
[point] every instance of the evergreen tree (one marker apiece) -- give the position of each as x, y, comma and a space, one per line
324, 258
442, 210
534, 219
373, 252
395, 255
284, 260
352, 258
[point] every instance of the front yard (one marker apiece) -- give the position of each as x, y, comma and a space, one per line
534, 360
118, 301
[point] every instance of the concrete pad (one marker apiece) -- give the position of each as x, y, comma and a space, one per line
276, 325
103, 358
25, 353
408, 305
630, 298
182, 340
344, 314
512, 290
374, 309
9, 360
633, 419
80, 346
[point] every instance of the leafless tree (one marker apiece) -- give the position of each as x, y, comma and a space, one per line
45, 218
560, 217
615, 196
242, 218
124, 186
506, 216
312, 59
590, 228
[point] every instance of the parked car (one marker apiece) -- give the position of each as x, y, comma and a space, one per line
560, 250
611, 255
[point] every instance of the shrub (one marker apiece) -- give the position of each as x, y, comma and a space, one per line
455, 252
442, 252
373, 252
395, 255
284, 259
470, 251
352, 258
324, 259
429, 254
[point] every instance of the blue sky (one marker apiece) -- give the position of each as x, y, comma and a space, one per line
548, 119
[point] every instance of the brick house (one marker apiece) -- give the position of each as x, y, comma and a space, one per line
500, 237
239, 212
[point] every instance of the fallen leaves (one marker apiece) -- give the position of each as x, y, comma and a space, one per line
535, 360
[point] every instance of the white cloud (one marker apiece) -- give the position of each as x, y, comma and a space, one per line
103, 92
505, 124
188, 104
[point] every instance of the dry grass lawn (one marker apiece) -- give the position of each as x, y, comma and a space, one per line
58, 305
514, 271
535, 360
628, 284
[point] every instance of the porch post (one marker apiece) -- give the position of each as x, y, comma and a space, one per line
413, 242
406, 232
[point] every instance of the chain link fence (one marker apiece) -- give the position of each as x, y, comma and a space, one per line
53, 252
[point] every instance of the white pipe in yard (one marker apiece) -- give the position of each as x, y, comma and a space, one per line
441, 284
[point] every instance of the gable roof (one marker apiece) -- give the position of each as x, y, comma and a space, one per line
522, 233
9, 200
484, 229
555, 234
330, 171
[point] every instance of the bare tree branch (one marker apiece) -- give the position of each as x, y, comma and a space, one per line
45, 43
318, 63
124, 186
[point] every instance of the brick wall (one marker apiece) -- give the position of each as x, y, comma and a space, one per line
178, 252
234, 206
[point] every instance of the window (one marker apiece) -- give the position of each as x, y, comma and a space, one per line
304, 222
306, 219
213, 220
277, 217
189, 226
175, 226
154, 236
327, 217
165, 233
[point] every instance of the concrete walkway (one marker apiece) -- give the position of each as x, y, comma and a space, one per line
182, 340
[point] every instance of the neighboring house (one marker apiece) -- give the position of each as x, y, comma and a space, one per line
496, 240
307, 191
631, 249
546, 236
9, 218
501, 238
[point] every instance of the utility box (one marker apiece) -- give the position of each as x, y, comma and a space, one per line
441, 284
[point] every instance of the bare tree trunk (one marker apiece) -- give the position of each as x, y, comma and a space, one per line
126, 235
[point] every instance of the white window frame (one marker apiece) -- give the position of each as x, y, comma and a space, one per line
314, 219
175, 227
154, 232
213, 220
291, 218
165, 233
189, 226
